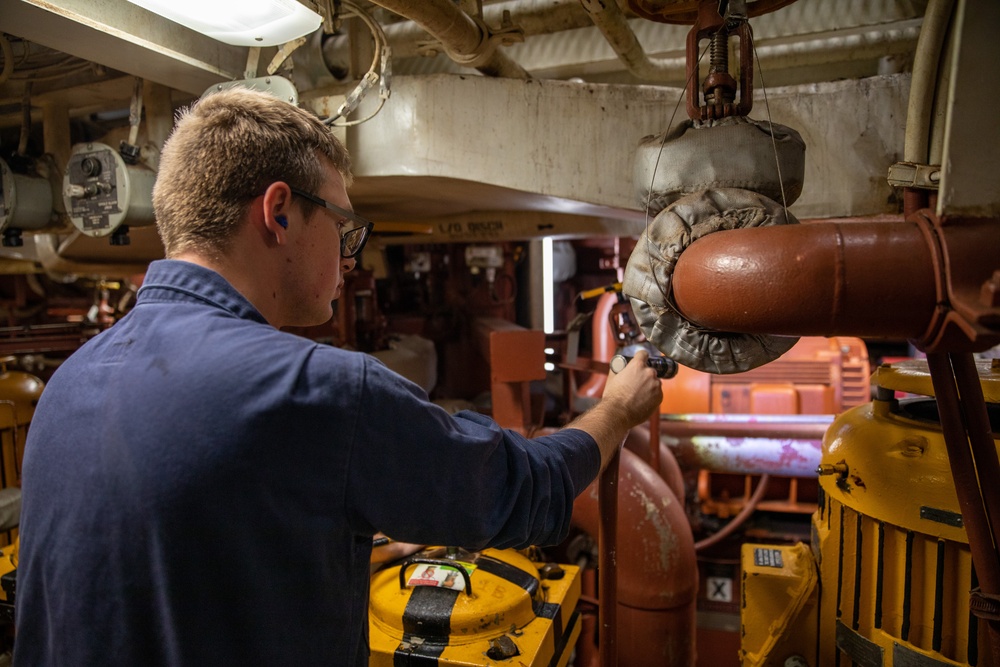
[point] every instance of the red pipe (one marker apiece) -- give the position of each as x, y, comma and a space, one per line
607, 538
658, 572
637, 442
973, 460
786, 445
821, 278
602, 345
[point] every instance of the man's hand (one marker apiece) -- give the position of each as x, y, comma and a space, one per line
630, 397
636, 390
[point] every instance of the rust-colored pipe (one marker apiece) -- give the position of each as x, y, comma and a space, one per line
787, 445
607, 538
658, 574
637, 442
823, 278
970, 448
602, 346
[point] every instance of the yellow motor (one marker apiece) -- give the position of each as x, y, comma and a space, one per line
486, 608
889, 548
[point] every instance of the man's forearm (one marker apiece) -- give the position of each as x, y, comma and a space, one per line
608, 424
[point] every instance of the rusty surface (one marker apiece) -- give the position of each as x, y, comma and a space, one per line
686, 11
637, 442
516, 356
830, 278
973, 459
658, 574
922, 279
968, 257
787, 445
708, 23
607, 539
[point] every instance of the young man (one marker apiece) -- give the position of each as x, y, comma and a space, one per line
200, 488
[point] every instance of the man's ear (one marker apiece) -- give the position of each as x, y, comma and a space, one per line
276, 204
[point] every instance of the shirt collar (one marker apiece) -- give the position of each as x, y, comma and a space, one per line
177, 280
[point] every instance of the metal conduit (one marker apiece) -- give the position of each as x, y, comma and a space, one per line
925, 75
533, 17
844, 278
464, 40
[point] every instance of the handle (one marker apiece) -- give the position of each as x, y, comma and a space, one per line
665, 367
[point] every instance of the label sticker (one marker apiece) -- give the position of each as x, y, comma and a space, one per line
441, 576
767, 558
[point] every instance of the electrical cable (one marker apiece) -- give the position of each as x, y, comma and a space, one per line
135, 112
22, 144
656, 164
749, 508
770, 126
379, 72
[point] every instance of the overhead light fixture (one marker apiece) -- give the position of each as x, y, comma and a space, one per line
244, 23
548, 287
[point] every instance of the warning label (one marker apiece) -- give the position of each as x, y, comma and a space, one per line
719, 589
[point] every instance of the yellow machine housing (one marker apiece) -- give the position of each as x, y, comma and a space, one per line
8, 581
889, 544
506, 609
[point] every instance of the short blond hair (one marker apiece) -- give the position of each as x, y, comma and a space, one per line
226, 149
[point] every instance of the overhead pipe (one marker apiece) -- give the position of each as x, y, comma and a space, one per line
543, 17
465, 40
843, 45
533, 17
835, 278
611, 21
657, 570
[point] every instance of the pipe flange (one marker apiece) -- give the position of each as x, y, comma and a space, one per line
650, 269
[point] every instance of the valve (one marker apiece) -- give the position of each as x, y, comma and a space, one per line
720, 87
665, 367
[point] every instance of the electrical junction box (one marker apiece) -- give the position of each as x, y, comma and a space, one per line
102, 193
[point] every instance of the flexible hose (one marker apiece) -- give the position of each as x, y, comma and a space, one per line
739, 519
135, 112
922, 83
380, 59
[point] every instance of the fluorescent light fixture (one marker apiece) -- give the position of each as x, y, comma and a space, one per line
548, 291
243, 23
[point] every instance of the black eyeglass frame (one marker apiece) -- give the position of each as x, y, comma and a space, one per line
365, 229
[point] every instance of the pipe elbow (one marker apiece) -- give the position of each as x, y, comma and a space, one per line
657, 569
